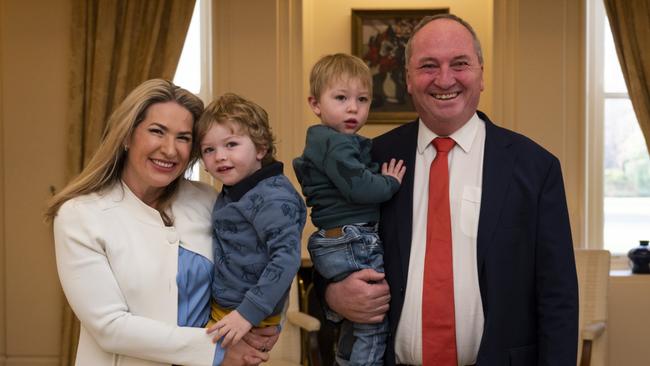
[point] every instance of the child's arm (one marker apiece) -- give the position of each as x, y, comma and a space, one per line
278, 220
353, 179
232, 328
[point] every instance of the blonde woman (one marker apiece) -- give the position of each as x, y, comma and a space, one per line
133, 244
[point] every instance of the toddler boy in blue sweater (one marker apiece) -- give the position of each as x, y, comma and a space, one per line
257, 219
344, 188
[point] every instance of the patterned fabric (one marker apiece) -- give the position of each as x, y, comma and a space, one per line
257, 229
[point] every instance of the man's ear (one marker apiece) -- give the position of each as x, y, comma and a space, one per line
314, 105
408, 82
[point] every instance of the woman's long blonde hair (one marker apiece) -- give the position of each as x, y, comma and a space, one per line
105, 167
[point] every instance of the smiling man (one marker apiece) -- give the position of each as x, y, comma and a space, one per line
478, 253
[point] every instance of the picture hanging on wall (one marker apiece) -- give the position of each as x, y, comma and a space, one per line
379, 38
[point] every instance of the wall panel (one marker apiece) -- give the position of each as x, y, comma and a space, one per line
539, 77
257, 54
3, 328
35, 42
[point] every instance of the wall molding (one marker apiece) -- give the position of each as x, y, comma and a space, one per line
506, 37
289, 61
29, 361
593, 170
3, 265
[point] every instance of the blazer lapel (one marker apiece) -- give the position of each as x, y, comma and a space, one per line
498, 165
407, 148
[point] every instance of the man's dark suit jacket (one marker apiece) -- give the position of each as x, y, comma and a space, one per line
525, 261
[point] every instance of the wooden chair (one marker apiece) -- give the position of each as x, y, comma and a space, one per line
297, 344
593, 282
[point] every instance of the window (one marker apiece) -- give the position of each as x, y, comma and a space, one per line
194, 71
618, 168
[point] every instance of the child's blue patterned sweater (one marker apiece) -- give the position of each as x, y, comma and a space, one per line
257, 227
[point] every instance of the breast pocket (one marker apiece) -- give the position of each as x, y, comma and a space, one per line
470, 206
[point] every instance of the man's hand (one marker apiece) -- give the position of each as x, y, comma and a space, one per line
241, 354
262, 339
362, 297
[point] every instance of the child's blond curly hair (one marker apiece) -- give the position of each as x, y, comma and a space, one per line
236, 111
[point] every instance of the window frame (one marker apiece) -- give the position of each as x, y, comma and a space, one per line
596, 97
206, 70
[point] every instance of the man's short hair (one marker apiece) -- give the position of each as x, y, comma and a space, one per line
428, 19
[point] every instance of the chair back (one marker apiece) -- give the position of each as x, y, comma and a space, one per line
287, 349
593, 282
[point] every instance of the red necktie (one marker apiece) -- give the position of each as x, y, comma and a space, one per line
438, 318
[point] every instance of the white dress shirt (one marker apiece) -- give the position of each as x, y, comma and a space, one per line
465, 179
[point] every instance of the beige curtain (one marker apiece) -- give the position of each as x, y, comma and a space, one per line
630, 23
116, 45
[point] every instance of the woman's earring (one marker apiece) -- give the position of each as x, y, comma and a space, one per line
126, 148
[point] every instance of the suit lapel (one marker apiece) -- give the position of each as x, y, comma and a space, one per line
407, 148
498, 165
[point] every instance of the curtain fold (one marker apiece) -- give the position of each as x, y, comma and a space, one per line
630, 24
116, 45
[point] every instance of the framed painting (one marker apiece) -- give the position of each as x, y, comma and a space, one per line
379, 38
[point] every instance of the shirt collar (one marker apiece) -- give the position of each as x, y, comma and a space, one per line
237, 191
463, 136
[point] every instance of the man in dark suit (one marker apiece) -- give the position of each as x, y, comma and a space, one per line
514, 295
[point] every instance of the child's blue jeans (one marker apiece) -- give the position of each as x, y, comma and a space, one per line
335, 258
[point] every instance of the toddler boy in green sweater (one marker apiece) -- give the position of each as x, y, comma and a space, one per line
344, 189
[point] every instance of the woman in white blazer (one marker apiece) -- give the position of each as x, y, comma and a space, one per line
133, 244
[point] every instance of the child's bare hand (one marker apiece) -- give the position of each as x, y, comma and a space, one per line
395, 169
232, 328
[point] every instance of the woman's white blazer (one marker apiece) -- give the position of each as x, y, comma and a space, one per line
117, 263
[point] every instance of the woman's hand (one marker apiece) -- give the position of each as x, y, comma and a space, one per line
262, 339
249, 352
242, 354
